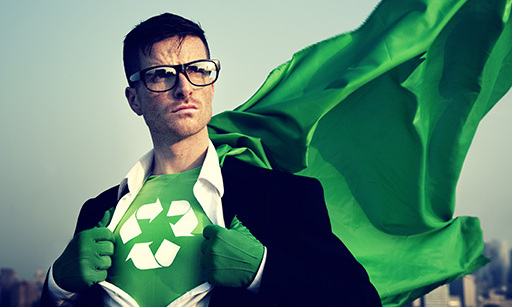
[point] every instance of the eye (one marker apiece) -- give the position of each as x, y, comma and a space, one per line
201, 68
160, 74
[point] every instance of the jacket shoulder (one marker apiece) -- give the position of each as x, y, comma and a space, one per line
234, 168
93, 209
253, 192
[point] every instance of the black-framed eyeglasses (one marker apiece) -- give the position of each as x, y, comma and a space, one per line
163, 78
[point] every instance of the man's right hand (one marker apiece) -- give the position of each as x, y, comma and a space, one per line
86, 259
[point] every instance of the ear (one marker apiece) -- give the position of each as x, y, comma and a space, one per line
133, 101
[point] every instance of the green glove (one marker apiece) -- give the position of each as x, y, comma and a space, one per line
86, 259
232, 256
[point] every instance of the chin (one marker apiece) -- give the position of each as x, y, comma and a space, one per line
182, 133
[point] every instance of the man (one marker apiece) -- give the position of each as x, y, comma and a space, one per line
183, 231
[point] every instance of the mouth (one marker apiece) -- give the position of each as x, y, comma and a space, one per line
185, 108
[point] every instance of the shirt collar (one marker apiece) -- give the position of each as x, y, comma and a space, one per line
210, 172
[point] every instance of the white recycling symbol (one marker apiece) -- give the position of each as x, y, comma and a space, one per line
141, 254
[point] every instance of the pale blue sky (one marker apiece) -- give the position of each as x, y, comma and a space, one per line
67, 133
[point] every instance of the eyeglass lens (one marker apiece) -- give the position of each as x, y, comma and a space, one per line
200, 73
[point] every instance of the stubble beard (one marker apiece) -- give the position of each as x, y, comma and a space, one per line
181, 127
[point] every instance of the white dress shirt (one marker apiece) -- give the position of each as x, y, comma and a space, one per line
208, 191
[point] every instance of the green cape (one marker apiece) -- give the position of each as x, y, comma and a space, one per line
383, 116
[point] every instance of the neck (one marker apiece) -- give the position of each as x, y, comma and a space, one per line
176, 156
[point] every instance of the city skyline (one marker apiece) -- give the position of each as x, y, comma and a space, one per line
489, 285
37, 271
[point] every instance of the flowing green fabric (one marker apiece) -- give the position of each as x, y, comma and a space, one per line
384, 116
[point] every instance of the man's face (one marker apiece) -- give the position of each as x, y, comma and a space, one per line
182, 111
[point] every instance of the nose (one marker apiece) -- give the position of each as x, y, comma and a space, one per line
183, 88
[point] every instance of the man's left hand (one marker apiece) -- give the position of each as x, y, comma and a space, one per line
232, 256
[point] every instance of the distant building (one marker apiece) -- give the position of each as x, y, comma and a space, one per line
25, 294
16, 293
463, 291
39, 277
509, 280
439, 297
490, 285
8, 279
495, 274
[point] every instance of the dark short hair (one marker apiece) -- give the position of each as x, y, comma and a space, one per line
153, 30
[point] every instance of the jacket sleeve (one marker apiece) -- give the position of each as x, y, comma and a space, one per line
93, 210
90, 214
307, 265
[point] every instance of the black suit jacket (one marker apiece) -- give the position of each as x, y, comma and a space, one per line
306, 264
